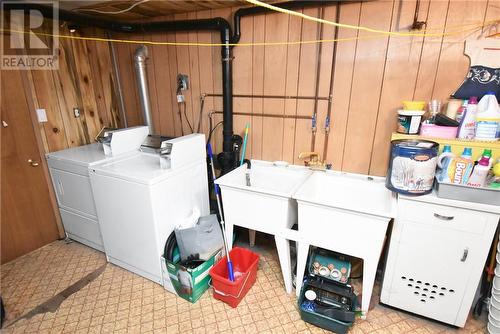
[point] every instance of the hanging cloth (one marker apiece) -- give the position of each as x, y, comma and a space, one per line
484, 72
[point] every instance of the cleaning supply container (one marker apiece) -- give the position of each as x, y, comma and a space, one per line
245, 264
438, 131
412, 166
445, 155
409, 121
488, 118
413, 105
467, 127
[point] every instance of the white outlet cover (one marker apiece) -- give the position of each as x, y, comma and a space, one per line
42, 115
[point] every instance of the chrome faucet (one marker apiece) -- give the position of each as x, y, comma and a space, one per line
247, 172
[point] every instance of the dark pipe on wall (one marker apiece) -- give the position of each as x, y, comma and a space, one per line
261, 10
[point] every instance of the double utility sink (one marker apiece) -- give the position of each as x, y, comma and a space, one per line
343, 212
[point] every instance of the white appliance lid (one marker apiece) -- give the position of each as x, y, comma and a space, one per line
142, 168
86, 155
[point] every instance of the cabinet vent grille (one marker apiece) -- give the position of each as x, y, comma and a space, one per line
426, 291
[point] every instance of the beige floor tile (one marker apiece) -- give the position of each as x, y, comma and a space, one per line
121, 302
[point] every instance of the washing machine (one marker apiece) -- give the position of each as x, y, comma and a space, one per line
140, 199
69, 171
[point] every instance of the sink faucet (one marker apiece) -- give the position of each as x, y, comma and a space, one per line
247, 172
314, 160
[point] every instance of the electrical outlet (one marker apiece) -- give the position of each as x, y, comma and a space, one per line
76, 112
41, 114
182, 81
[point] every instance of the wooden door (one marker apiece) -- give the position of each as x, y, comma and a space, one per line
28, 220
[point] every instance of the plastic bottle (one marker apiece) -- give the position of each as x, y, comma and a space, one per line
467, 127
467, 153
487, 154
479, 174
457, 170
445, 155
461, 111
488, 118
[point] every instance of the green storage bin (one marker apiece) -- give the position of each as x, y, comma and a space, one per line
195, 281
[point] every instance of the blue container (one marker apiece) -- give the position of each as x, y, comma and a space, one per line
412, 166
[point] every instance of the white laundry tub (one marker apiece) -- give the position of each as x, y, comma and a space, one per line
346, 213
266, 205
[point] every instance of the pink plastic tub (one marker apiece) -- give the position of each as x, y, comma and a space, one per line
437, 131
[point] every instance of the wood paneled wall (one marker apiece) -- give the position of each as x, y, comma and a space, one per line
84, 80
371, 76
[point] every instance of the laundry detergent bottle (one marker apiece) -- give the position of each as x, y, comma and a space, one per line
487, 154
467, 153
488, 118
444, 156
479, 173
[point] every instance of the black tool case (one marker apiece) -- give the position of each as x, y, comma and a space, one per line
335, 303
335, 308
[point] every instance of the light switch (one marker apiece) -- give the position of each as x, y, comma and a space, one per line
41, 115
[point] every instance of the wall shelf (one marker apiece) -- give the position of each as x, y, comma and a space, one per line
457, 145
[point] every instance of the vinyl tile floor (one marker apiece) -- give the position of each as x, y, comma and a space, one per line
119, 301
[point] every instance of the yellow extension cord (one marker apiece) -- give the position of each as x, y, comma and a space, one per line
378, 33
342, 25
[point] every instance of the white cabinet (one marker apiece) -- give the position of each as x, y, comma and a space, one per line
437, 252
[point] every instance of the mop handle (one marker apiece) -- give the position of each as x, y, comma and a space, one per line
216, 186
219, 206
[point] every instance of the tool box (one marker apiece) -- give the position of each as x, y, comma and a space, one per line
326, 300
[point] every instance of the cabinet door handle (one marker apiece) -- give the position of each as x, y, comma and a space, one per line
437, 215
61, 189
465, 254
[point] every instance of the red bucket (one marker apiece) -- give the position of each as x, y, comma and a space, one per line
245, 273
